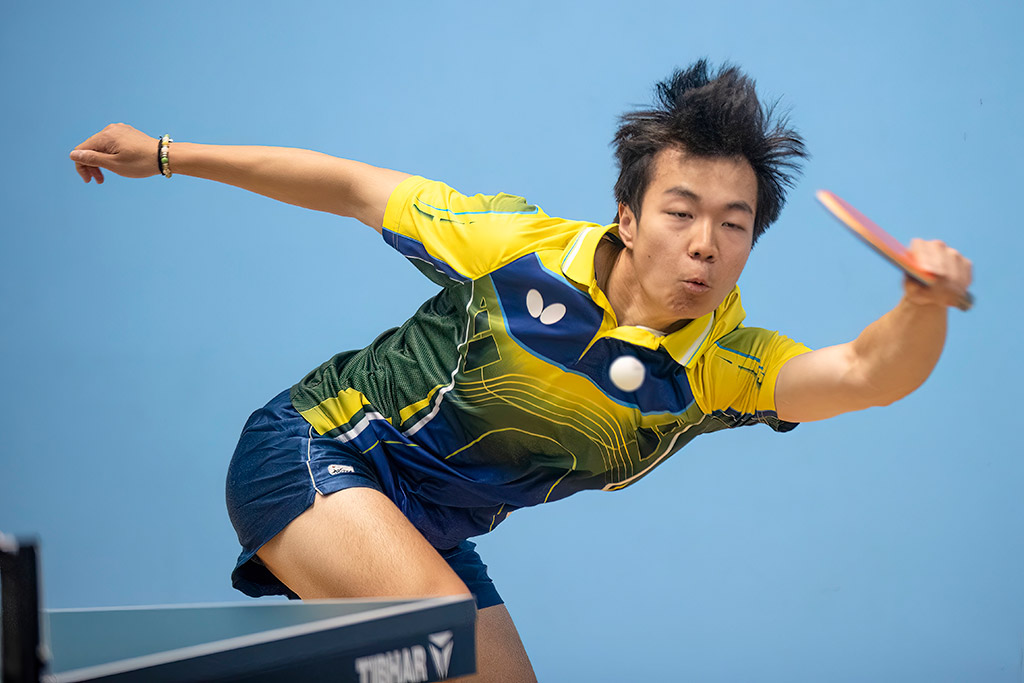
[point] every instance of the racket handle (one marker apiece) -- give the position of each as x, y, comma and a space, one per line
966, 302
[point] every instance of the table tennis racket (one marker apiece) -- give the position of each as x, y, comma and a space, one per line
882, 242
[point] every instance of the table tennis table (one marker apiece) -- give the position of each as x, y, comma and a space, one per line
364, 641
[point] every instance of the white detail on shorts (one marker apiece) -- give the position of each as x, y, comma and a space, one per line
340, 469
309, 457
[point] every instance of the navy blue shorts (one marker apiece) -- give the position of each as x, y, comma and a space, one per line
277, 470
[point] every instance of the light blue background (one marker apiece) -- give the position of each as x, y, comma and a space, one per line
143, 320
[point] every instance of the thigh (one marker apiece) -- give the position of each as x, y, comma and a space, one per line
500, 652
357, 543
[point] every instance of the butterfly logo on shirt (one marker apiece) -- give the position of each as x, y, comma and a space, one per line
548, 315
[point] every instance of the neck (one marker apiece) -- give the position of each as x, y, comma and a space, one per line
615, 272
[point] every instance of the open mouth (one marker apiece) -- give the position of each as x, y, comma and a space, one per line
696, 284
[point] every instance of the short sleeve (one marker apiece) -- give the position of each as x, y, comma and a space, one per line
738, 374
453, 238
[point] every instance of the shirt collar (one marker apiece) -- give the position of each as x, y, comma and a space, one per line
689, 344
685, 345
578, 257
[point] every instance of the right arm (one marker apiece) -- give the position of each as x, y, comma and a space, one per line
295, 176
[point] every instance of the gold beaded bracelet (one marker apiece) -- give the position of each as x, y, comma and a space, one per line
165, 166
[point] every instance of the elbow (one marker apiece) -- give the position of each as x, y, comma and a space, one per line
886, 401
882, 398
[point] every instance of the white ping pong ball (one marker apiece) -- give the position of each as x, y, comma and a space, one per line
627, 373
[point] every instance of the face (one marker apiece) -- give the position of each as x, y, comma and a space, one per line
693, 237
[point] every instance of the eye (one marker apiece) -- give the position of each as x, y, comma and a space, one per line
680, 214
734, 225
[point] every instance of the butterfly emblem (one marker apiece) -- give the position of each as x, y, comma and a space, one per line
548, 315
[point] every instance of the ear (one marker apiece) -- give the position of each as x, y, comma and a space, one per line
627, 225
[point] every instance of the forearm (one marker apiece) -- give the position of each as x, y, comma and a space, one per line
296, 176
891, 358
895, 354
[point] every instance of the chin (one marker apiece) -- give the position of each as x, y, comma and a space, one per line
694, 307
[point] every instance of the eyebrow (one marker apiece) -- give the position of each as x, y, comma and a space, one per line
685, 193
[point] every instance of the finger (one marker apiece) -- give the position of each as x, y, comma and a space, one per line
935, 257
90, 157
927, 253
83, 171
954, 267
953, 272
966, 269
97, 173
922, 253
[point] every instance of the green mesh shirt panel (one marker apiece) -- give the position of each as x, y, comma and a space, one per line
402, 365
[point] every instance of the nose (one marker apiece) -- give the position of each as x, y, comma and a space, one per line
702, 241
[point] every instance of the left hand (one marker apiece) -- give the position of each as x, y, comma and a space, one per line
119, 148
952, 272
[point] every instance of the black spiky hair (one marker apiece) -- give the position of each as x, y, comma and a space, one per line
710, 116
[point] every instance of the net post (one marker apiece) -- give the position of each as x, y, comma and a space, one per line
19, 602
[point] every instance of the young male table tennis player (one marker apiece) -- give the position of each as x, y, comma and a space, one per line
368, 476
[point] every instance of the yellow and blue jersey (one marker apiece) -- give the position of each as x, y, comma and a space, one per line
495, 395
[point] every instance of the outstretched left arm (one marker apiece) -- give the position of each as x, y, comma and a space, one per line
892, 357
